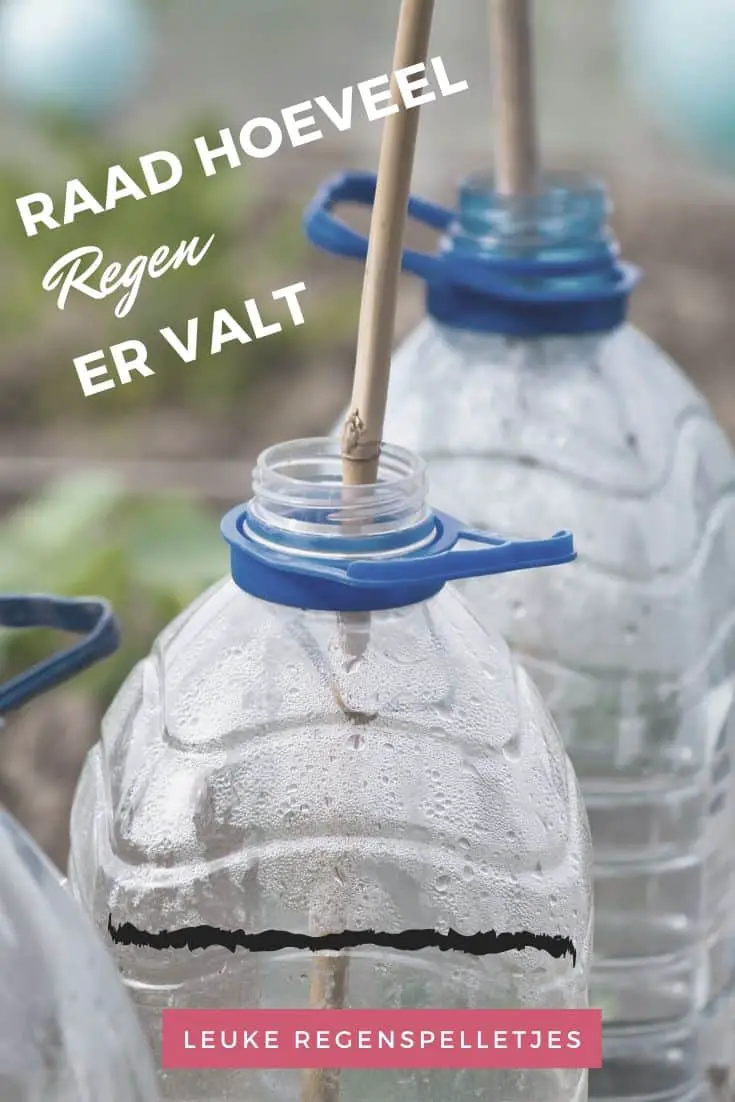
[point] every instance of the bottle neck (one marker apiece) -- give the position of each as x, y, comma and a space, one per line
301, 506
565, 223
534, 265
307, 541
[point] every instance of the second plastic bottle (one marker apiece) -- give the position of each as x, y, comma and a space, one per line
532, 399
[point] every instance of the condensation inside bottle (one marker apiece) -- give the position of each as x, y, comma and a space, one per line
67, 1030
252, 775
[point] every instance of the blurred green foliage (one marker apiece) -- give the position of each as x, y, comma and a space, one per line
86, 536
258, 247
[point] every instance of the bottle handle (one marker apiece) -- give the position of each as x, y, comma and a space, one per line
90, 617
438, 562
498, 276
496, 555
334, 236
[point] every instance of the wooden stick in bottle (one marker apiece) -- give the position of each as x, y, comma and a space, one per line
515, 109
363, 430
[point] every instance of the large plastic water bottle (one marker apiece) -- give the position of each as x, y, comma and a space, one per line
531, 398
328, 740
68, 1032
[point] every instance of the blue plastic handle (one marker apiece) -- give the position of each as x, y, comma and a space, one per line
485, 275
438, 562
498, 556
90, 617
327, 232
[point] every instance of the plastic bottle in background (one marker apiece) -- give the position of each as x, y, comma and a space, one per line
68, 1032
284, 761
679, 60
531, 398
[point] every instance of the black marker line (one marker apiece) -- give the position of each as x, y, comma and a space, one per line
272, 941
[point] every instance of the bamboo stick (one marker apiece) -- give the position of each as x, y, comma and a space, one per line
363, 430
515, 110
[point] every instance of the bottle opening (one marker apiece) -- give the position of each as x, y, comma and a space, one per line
569, 212
300, 503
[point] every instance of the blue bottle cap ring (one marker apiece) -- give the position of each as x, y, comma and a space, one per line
366, 584
484, 293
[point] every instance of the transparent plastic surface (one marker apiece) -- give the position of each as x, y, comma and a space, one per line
632, 646
261, 771
67, 1030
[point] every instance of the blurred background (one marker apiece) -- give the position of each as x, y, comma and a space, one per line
120, 494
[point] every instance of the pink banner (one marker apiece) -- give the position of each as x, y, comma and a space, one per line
400, 1039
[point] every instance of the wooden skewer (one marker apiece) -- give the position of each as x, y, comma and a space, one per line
516, 142
363, 430
327, 990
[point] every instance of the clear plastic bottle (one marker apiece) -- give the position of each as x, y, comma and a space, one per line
530, 397
68, 1032
328, 740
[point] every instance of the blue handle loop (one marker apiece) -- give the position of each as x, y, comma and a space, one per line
485, 275
352, 583
327, 232
90, 617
